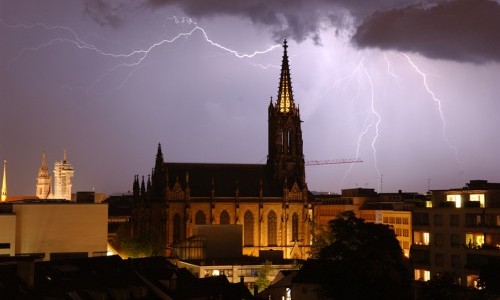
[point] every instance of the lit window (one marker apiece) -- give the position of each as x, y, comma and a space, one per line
474, 240
424, 275
477, 197
426, 238
455, 198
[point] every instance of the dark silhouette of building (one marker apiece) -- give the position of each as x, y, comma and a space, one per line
271, 201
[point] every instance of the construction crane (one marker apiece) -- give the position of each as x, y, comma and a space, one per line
332, 161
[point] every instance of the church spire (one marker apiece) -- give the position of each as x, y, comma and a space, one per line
285, 95
285, 154
43, 180
4, 182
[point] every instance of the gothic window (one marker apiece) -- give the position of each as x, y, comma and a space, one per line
272, 239
295, 227
224, 217
177, 228
200, 218
248, 228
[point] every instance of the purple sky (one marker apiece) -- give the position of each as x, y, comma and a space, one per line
410, 89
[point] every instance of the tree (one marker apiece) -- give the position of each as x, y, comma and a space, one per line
365, 261
143, 244
489, 277
262, 280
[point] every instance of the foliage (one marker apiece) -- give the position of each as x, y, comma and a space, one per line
322, 237
143, 244
365, 261
262, 280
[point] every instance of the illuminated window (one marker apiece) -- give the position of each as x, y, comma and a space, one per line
426, 238
428, 204
248, 228
295, 227
474, 240
224, 217
477, 197
200, 218
455, 198
421, 238
421, 274
272, 239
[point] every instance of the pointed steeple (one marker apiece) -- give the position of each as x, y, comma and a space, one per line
285, 95
4, 182
135, 189
285, 154
43, 180
159, 178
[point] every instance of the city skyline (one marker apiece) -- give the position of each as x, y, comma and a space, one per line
420, 112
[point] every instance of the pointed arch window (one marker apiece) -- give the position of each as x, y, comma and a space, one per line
248, 229
224, 217
177, 228
272, 239
200, 218
295, 227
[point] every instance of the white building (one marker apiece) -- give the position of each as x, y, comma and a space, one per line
63, 174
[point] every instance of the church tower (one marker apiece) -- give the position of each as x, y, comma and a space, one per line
43, 180
285, 155
63, 172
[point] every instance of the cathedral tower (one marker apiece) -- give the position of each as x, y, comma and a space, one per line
43, 180
63, 172
285, 155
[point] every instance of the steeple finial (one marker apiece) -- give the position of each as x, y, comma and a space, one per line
65, 155
4, 182
285, 101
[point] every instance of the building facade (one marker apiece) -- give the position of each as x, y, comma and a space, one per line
53, 229
458, 232
270, 201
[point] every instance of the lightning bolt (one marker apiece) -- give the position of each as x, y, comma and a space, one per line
136, 56
436, 100
372, 120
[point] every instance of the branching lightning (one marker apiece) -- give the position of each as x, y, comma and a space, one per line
373, 118
136, 56
435, 99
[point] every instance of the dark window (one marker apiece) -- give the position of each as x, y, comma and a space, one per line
454, 220
272, 239
200, 218
438, 220
4, 245
455, 240
177, 228
421, 219
439, 259
455, 261
295, 227
248, 228
439, 239
224, 217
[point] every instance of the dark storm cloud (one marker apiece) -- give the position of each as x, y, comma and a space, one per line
295, 19
460, 30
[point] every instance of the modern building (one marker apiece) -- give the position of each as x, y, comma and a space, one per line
270, 201
53, 229
458, 232
61, 187
392, 209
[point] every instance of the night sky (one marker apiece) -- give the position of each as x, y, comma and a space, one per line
411, 89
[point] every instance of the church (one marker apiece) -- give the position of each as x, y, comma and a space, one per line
270, 201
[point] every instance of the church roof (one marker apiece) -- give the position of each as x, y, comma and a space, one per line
224, 179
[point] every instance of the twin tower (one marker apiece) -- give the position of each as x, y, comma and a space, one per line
63, 173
